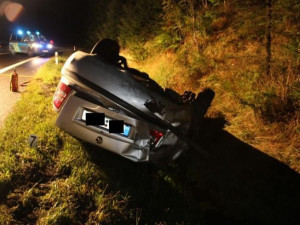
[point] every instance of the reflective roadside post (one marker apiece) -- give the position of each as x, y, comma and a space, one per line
56, 58
14, 81
74, 48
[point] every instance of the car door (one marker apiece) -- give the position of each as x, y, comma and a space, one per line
24, 44
13, 44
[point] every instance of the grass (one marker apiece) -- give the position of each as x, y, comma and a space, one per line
65, 181
262, 111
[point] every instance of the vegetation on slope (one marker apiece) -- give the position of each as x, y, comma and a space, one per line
183, 44
247, 51
64, 181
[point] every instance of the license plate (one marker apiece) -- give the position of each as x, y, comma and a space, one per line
126, 128
45, 50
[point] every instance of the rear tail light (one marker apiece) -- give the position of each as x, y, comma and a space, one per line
60, 95
156, 136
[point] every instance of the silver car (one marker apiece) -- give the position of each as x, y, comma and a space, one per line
156, 127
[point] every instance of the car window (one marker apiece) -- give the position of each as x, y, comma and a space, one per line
28, 38
41, 38
16, 37
13, 37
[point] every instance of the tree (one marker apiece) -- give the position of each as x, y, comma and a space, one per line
139, 21
114, 13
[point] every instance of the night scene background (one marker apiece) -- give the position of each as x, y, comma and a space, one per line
247, 51
63, 21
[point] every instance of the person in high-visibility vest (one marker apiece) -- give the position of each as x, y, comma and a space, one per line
14, 81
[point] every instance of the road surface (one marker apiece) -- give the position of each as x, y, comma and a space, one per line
26, 67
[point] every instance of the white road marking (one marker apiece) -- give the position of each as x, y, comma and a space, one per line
4, 53
16, 64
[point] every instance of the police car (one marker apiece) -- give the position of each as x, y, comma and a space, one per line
29, 43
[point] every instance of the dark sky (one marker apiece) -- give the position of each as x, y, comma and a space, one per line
64, 21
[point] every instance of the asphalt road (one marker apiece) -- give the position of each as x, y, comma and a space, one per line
7, 59
25, 71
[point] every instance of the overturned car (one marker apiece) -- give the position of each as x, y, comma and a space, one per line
158, 124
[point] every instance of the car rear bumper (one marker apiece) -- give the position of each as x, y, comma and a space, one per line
134, 147
42, 50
